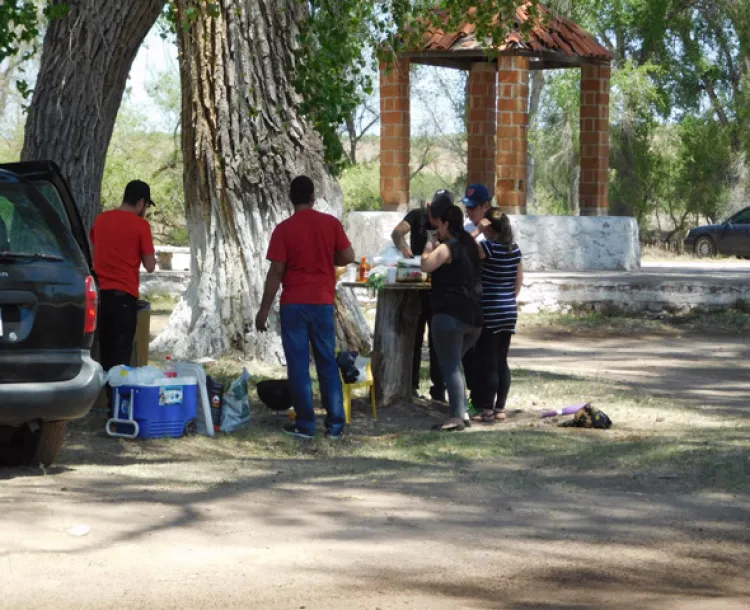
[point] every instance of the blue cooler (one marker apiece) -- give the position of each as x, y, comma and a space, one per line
167, 408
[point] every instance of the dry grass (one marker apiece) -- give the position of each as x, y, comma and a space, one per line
595, 324
654, 441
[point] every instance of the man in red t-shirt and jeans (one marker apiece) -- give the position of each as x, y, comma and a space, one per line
122, 242
304, 251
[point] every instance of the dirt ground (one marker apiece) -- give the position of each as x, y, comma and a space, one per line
521, 516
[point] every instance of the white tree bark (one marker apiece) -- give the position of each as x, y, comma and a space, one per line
243, 142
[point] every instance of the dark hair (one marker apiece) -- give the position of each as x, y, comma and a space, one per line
302, 191
135, 191
500, 225
441, 201
454, 216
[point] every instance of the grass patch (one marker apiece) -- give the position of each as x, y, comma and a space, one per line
657, 445
162, 304
611, 324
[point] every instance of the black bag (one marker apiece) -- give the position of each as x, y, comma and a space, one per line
589, 416
347, 366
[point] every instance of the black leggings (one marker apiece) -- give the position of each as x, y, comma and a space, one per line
118, 316
490, 378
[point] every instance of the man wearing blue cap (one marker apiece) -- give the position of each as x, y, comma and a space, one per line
477, 202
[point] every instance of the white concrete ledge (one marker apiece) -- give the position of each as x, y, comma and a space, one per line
548, 243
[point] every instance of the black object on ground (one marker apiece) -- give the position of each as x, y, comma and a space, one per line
275, 394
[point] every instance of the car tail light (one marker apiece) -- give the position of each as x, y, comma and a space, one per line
92, 301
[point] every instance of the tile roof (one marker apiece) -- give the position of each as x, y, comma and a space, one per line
551, 33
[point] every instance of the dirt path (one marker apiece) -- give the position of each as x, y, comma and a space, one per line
288, 535
701, 371
340, 533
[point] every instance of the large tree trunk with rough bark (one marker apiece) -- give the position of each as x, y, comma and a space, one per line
243, 142
86, 59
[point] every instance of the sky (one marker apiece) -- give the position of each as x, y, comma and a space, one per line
157, 55
154, 57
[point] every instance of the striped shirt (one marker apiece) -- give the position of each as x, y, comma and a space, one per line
499, 273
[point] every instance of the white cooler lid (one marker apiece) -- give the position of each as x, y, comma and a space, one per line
164, 381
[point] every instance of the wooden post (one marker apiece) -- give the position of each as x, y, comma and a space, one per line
395, 323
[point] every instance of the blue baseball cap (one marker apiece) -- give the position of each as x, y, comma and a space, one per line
476, 194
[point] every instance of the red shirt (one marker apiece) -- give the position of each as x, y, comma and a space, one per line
307, 242
120, 239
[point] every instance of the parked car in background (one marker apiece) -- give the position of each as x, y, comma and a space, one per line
731, 238
48, 307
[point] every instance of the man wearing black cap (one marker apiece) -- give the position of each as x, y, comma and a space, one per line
418, 225
122, 242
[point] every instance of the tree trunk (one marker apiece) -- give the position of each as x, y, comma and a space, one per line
243, 142
396, 319
352, 331
86, 60
537, 86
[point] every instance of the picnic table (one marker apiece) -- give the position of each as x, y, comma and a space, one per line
399, 308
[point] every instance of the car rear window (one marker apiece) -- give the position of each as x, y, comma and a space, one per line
27, 226
50, 193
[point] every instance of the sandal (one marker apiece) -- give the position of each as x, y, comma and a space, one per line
500, 415
450, 425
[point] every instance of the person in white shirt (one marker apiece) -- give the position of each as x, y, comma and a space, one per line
477, 202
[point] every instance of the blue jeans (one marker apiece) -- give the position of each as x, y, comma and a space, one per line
302, 326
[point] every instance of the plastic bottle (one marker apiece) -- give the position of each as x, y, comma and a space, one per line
364, 270
169, 368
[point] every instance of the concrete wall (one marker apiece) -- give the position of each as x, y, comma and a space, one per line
548, 243
633, 292
369, 231
578, 243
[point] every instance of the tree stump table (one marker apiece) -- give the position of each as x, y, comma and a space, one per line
399, 308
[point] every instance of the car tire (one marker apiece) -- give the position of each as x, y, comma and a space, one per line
705, 247
49, 443
31, 444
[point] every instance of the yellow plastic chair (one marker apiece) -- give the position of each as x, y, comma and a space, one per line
367, 383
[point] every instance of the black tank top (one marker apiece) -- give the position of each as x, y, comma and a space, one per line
457, 287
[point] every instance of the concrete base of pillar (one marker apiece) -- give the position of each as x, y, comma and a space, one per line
370, 231
578, 243
548, 243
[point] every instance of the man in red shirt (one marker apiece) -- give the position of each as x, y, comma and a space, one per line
304, 251
122, 242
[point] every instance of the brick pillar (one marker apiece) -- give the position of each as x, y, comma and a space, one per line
482, 125
394, 134
512, 132
594, 186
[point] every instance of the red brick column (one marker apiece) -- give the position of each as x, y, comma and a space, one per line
394, 134
512, 126
594, 187
482, 125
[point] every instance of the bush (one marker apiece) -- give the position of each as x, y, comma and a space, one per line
361, 186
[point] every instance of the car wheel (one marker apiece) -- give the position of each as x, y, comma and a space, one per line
705, 247
49, 442
31, 444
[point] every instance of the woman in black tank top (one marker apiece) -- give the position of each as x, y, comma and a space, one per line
456, 308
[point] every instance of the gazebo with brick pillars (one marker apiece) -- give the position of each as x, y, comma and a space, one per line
498, 107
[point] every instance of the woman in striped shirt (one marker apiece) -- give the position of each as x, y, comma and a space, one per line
502, 277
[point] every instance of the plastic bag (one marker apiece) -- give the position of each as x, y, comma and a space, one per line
388, 256
235, 410
121, 375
